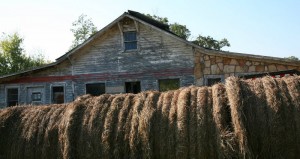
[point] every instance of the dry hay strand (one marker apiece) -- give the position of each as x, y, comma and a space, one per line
134, 140
162, 122
255, 112
182, 138
129, 102
110, 127
146, 128
192, 128
96, 124
49, 128
291, 145
211, 127
120, 145
84, 134
293, 86
9, 123
159, 131
205, 129
235, 97
226, 141
171, 138
276, 120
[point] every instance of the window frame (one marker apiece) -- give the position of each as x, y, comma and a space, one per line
125, 41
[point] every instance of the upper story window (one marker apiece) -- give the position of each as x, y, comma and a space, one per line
130, 40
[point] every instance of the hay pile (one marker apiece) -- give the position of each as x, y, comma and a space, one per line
241, 119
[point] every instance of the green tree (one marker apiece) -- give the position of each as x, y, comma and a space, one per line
210, 43
183, 32
82, 29
13, 58
180, 30
163, 20
293, 58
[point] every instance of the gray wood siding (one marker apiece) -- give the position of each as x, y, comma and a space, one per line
156, 51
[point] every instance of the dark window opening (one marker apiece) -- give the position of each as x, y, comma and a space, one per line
212, 81
58, 95
12, 97
36, 96
95, 89
133, 87
168, 84
130, 40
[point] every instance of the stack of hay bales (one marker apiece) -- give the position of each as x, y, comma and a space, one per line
241, 119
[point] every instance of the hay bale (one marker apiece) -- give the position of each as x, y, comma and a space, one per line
241, 119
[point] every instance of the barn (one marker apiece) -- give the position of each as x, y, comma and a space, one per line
131, 54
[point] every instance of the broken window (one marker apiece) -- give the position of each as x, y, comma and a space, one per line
133, 87
212, 81
95, 89
12, 96
58, 95
130, 40
168, 84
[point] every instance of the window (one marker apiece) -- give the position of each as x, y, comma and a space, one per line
212, 81
12, 96
133, 87
168, 84
36, 96
58, 95
95, 89
130, 40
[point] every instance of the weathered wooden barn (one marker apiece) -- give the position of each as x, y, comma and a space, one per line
133, 53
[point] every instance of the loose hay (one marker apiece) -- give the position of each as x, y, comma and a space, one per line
241, 119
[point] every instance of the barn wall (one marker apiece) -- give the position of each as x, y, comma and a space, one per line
159, 56
213, 66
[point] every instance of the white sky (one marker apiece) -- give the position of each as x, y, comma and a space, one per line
268, 28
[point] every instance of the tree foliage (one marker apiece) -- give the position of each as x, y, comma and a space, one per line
210, 43
13, 58
180, 30
163, 20
183, 32
292, 58
82, 29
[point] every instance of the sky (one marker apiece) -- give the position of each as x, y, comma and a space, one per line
268, 27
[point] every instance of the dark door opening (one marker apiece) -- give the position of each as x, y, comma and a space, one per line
133, 87
212, 81
58, 95
12, 97
95, 89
